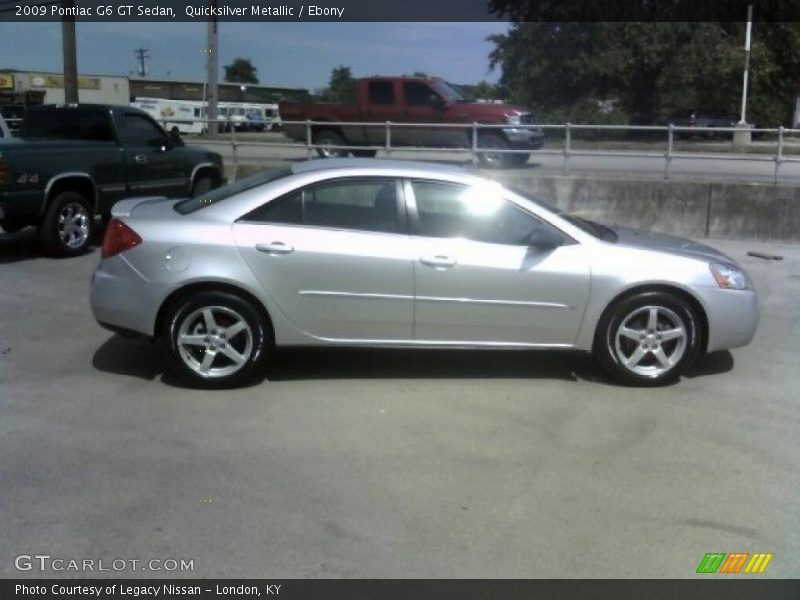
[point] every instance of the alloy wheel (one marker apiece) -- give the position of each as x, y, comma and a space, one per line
214, 341
73, 225
650, 341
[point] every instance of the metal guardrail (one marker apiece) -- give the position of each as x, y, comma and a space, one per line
474, 148
568, 152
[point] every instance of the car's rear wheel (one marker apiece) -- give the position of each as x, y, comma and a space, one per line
325, 139
648, 339
68, 225
216, 340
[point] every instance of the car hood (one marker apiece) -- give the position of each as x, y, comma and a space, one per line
662, 242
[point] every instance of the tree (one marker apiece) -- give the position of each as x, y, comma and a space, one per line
241, 70
651, 68
341, 87
484, 90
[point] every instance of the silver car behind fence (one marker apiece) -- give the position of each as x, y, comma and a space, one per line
374, 253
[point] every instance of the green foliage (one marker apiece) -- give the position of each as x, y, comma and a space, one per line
241, 70
485, 91
652, 69
341, 87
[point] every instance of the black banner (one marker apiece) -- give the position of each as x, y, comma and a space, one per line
406, 589
398, 10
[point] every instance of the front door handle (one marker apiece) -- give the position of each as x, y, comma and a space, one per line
439, 261
140, 159
275, 248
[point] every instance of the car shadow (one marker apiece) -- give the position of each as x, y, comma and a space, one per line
142, 359
714, 363
24, 245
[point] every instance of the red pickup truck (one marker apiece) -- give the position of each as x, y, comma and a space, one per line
403, 100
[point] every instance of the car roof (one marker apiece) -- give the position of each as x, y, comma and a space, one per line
377, 164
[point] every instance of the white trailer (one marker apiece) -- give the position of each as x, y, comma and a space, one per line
183, 116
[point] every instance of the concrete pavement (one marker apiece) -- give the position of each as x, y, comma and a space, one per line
391, 464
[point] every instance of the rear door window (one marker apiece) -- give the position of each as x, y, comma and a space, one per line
381, 92
359, 204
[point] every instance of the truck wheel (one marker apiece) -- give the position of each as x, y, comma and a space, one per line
328, 137
493, 160
518, 160
68, 225
202, 184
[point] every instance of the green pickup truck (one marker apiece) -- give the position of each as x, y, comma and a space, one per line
73, 162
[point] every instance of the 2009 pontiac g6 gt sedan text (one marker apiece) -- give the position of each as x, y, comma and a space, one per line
400, 254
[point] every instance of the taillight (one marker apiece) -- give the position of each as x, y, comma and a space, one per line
5, 174
118, 238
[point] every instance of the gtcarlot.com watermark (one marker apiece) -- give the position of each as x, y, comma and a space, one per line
46, 562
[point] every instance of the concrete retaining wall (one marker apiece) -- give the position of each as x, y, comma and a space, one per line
692, 209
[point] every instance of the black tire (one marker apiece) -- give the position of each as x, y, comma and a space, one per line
489, 160
519, 160
329, 137
252, 345
201, 185
67, 228
654, 359
365, 153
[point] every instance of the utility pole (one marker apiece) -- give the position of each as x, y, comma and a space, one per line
743, 135
70, 52
743, 120
212, 90
142, 54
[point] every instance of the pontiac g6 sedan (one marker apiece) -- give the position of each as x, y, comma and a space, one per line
397, 254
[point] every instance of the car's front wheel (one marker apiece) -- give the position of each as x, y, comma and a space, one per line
327, 141
216, 340
648, 339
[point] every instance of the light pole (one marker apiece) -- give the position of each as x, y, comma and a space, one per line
212, 90
743, 136
743, 120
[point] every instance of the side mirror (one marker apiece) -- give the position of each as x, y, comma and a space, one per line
545, 238
438, 102
174, 139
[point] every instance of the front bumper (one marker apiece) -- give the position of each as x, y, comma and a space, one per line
21, 207
524, 139
733, 317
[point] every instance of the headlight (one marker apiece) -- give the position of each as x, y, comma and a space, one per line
514, 119
729, 277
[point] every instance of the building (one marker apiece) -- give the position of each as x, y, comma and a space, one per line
32, 88
227, 92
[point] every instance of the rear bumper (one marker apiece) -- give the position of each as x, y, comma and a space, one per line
524, 139
122, 300
22, 208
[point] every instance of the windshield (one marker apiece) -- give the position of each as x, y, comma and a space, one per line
597, 230
447, 91
192, 204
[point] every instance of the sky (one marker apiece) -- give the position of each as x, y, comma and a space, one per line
285, 54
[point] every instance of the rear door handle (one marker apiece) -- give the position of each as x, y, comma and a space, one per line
140, 159
439, 261
275, 248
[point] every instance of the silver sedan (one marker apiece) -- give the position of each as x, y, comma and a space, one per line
400, 254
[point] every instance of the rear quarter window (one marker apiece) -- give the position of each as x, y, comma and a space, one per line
191, 205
